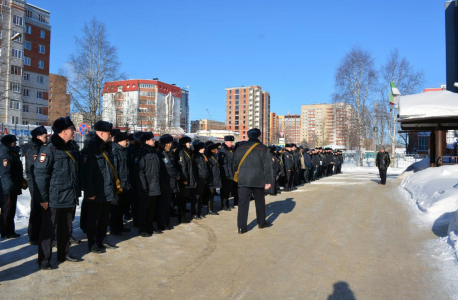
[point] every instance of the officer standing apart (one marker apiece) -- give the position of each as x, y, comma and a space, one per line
382, 162
39, 138
12, 181
58, 188
253, 172
99, 185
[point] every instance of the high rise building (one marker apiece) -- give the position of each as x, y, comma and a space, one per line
273, 128
25, 49
184, 110
246, 108
148, 104
59, 100
325, 124
205, 124
290, 127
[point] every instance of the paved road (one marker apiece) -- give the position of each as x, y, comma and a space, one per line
343, 237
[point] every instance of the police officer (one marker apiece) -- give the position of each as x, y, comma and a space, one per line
200, 169
169, 181
99, 185
187, 181
214, 179
275, 170
12, 180
290, 166
30, 150
225, 156
58, 188
382, 162
254, 176
123, 166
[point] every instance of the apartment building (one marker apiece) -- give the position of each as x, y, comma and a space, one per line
205, 124
290, 126
150, 104
59, 99
273, 139
25, 52
325, 124
248, 107
184, 110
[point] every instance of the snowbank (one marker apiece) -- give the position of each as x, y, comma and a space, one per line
415, 167
435, 192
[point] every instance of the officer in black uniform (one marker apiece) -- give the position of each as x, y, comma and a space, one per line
225, 156
99, 186
169, 181
290, 166
187, 181
214, 178
254, 176
12, 182
123, 166
30, 150
58, 188
276, 171
200, 169
147, 185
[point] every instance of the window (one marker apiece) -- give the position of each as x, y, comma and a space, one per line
236, 102
18, 20
15, 87
236, 91
25, 122
230, 97
19, 38
14, 104
25, 92
42, 34
28, 45
40, 79
25, 108
16, 53
42, 18
40, 110
41, 64
38, 123
236, 97
39, 95
41, 49
15, 70
423, 143
26, 76
28, 13
28, 29
26, 61
14, 120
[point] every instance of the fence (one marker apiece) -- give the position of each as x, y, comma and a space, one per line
401, 160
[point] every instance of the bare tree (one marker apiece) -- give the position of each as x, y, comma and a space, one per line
408, 81
355, 81
94, 63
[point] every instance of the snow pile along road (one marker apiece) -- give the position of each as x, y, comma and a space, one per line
435, 192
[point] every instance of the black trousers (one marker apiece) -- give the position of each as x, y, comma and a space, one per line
146, 212
163, 209
117, 211
97, 222
52, 217
196, 198
382, 175
225, 191
298, 177
305, 173
324, 171
7, 215
235, 192
210, 198
244, 205
36, 217
290, 178
84, 214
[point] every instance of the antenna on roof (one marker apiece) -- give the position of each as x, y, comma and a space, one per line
155, 78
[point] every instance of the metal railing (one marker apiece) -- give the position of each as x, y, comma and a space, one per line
447, 160
401, 160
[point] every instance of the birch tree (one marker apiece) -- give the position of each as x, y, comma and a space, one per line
355, 81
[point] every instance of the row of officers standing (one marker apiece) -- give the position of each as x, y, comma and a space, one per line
123, 174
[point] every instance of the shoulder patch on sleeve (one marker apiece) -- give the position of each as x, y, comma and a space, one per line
181, 158
5, 162
42, 157
85, 159
165, 160
35, 157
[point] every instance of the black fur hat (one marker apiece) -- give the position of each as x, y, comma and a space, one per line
61, 124
198, 146
137, 136
254, 133
146, 136
39, 131
210, 146
229, 138
184, 140
115, 131
103, 126
130, 137
120, 136
8, 139
288, 145
166, 139
273, 148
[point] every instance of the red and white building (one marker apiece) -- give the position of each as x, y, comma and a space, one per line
149, 104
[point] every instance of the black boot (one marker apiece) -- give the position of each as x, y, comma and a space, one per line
210, 208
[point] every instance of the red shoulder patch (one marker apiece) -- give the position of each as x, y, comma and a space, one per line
5, 162
42, 157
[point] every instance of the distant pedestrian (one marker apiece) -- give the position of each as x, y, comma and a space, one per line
382, 162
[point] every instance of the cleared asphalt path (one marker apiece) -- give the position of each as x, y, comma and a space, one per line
343, 237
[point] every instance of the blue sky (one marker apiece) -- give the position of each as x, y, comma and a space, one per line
290, 48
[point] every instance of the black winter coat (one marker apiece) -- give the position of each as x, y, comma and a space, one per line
185, 168
214, 178
275, 165
123, 166
31, 152
11, 170
96, 174
56, 174
146, 171
307, 160
341, 159
383, 160
289, 161
200, 166
225, 157
256, 170
169, 172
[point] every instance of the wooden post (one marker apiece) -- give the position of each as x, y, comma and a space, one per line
432, 149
